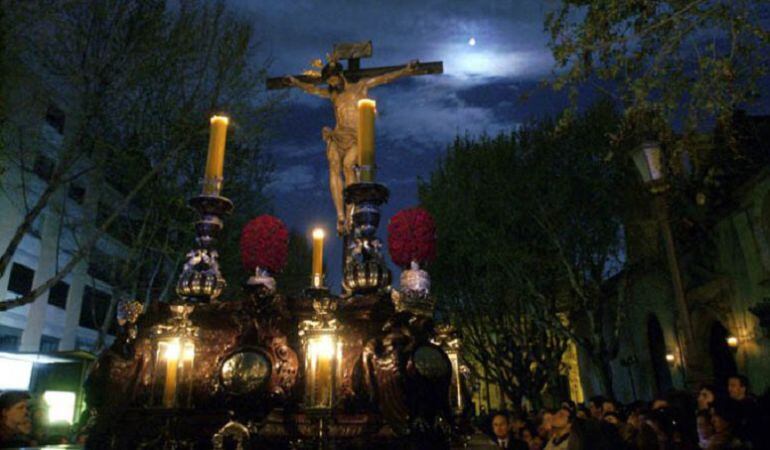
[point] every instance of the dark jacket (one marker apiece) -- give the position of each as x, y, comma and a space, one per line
513, 443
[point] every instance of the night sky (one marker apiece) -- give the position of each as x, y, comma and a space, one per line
480, 91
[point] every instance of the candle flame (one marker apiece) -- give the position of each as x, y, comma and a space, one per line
318, 233
224, 119
172, 350
367, 101
322, 348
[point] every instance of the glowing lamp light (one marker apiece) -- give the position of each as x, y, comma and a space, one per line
15, 374
670, 358
323, 358
173, 370
732, 341
61, 406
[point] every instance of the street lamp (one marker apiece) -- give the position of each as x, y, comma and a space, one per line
649, 161
172, 376
648, 158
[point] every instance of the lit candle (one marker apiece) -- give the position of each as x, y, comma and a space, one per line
322, 352
366, 112
318, 257
216, 156
171, 355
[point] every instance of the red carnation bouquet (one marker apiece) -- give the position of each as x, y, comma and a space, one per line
412, 237
264, 244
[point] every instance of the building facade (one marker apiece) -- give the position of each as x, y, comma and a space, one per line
67, 317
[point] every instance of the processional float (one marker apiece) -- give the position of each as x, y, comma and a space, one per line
365, 369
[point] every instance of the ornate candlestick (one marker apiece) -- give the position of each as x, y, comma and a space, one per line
365, 269
201, 281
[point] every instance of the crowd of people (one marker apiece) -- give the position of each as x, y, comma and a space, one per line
713, 418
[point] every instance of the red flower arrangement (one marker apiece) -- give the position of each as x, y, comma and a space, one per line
264, 244
412, 237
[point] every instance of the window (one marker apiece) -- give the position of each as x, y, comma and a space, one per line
44, 167
9, 339
94, 309
20, 281
55, 118
48, 344
57, 296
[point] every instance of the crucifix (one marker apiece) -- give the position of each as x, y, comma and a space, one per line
345, 86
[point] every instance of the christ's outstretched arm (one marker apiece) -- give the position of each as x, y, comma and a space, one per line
309, 88
409, 69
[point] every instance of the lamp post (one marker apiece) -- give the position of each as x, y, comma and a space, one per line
648, 159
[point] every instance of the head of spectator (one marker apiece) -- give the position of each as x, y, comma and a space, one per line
662, 424
14, 414
706, 396
608, 406
738, 387
635, 412
501, 426
582, 412
724, 415
562, 420
544, 425
536, 443
595, 406
517, 422
613, 418
659, 403
527, 433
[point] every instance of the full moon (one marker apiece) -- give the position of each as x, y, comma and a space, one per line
472, 41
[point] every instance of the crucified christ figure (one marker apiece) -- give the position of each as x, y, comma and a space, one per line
342, 140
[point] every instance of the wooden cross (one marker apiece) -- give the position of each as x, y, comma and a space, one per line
353, 52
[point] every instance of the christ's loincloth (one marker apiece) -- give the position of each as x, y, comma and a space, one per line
344, 138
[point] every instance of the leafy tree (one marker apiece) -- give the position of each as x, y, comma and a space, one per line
140, 80
296, 276
530, 230
674, 65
